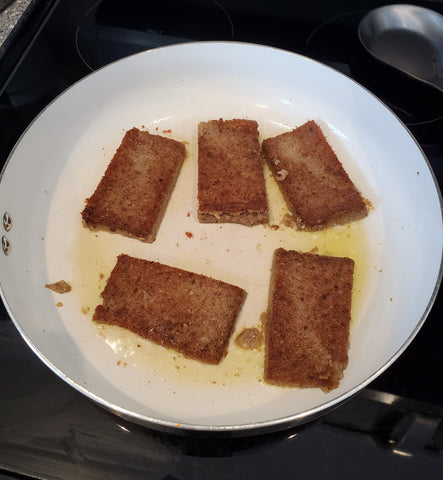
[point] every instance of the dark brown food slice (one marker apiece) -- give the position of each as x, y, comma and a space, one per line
134, 192
190, 313
315, 185
59, 287
231, 184
307, 327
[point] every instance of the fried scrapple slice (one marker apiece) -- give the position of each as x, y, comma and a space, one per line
231, 184
315, 185
307, 327
190, 313
134, 192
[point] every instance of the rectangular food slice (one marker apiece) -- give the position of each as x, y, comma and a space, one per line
231, 184
307, 326
190, 313
134, 192
317, 189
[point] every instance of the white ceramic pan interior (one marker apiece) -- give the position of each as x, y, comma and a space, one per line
59, 160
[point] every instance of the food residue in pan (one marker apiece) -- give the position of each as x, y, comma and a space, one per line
59, 287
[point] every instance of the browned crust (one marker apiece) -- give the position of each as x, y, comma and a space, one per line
231, 184
249, 339
245, 218
59, 287
134, 192
307, 326
315, 185
190, 313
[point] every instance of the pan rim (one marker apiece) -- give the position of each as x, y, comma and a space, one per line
247, 428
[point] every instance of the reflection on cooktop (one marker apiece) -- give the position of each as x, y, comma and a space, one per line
108, 32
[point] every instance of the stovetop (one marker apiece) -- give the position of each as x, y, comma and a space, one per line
48, 430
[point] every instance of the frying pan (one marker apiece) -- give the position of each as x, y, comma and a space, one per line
407, 37
60, 158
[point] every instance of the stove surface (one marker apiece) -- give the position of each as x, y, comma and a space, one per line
391, 429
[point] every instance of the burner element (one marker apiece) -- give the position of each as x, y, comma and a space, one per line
109, 32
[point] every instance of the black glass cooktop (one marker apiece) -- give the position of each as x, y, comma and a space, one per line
391, 429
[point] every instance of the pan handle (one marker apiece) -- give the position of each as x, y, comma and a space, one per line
7, 225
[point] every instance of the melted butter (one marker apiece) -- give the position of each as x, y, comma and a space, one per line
239, 366
92, 265
348, 240
95, 254
93, 260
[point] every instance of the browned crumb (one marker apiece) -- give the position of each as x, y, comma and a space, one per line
188, 214
274, 227
307, 330
59, 287
101, 276
249, 339
288, 221
85, 310
167, 131
189, 234
314, 250
281, 175
368, 204
59, 304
